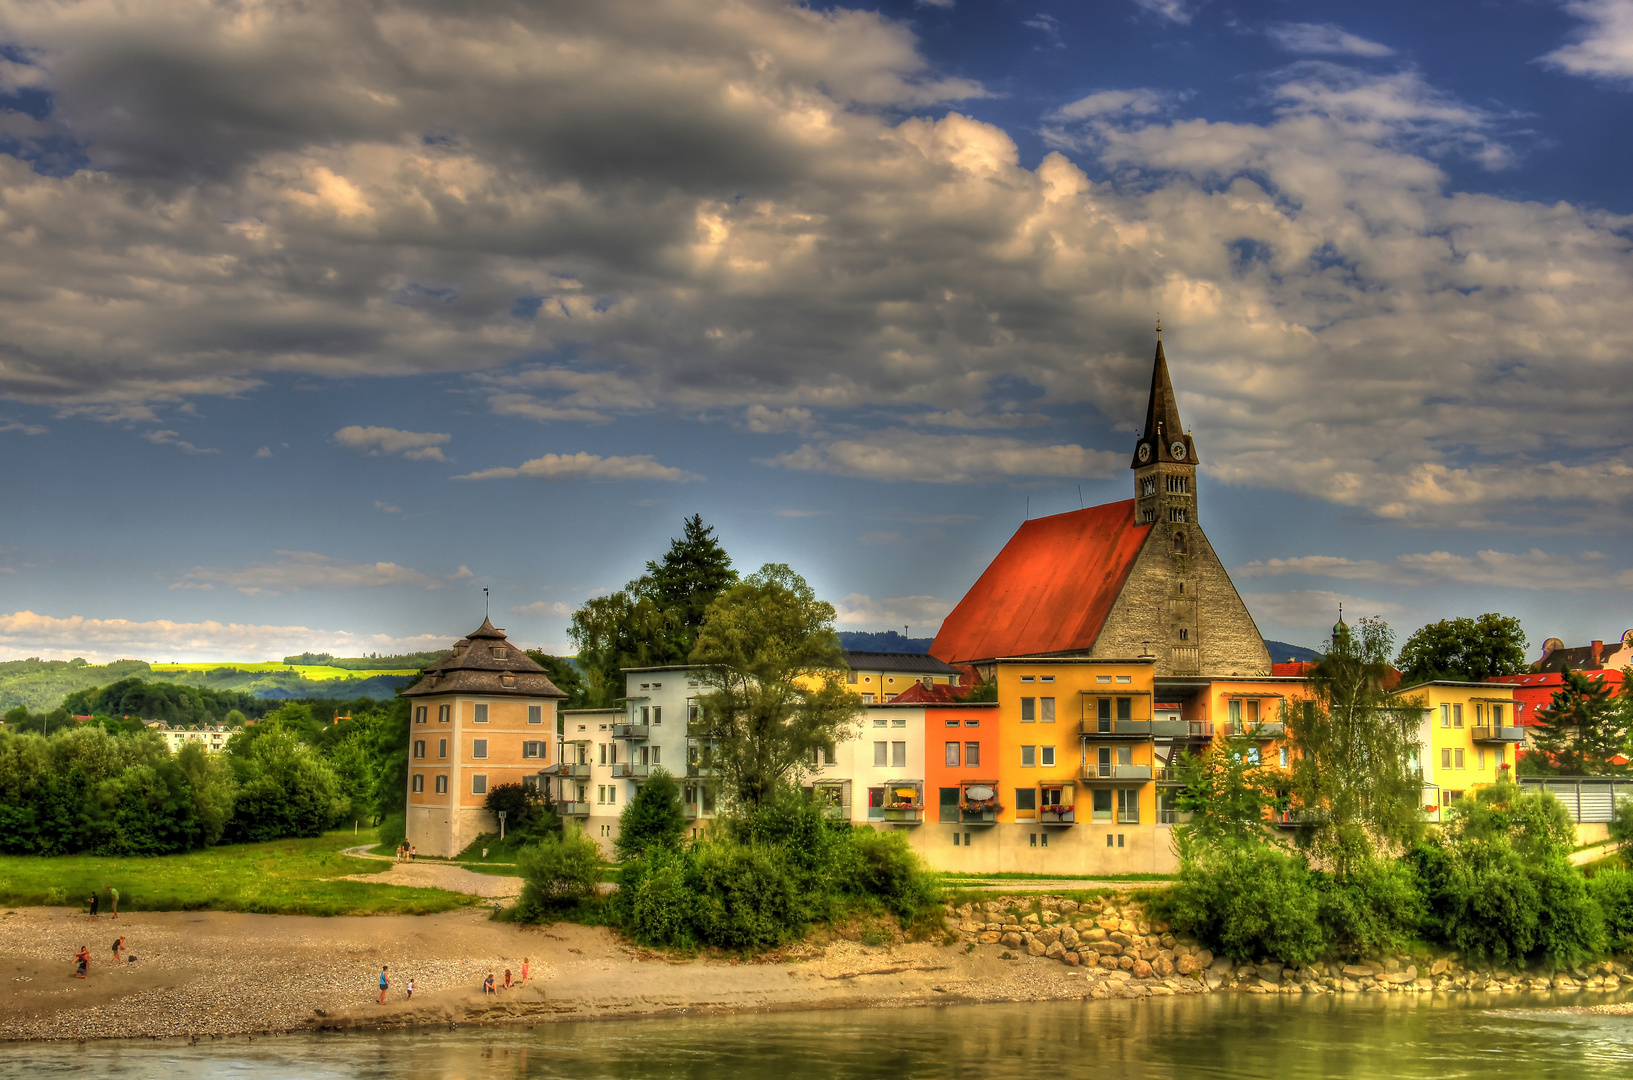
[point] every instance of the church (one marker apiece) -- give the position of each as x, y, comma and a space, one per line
1130, 579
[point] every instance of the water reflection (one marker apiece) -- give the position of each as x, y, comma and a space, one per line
1230, 1037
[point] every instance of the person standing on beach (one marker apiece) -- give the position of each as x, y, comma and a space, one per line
95, 898
411, 988
113, 898
524, 969
83, 959
385, 982
118, 943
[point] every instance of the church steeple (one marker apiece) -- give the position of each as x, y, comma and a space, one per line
1164, 458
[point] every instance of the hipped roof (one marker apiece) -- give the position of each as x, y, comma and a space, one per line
1050, 588
474, 668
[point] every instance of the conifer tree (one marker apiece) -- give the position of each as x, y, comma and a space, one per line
653, 819
1584, 728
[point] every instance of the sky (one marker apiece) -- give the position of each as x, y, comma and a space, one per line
317, 320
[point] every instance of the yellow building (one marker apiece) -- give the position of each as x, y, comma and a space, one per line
877, 677
1466, 738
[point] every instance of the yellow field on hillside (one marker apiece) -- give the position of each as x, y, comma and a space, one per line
315, 672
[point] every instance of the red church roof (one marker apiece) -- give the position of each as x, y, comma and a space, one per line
1049, 590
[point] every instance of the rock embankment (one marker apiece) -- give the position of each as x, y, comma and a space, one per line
1111, 935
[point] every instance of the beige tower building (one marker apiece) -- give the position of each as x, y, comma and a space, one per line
482, 716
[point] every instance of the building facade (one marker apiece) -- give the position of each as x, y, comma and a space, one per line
482, 716
1468, 738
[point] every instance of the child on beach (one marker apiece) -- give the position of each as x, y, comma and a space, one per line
118, 943
508, 983
410, 989
524, 969
113, 898
385, 983
487, 984
94, 898
83, 959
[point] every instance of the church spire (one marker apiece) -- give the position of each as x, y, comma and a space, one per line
1164, 437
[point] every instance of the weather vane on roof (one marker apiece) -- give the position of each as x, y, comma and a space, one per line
484, 604
1159, 324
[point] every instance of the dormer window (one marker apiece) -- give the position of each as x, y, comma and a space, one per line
508, 681
501, 653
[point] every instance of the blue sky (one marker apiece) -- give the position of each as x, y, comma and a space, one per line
316, 321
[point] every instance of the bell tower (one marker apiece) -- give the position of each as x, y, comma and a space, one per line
1164, 459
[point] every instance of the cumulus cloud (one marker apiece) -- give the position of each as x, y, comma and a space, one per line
542, 608
900, 454
764, 421
297, 570
1603, 48
583, 466
922, 613
765, 204
1324, 39
264, 452
1535, 570
418, 445
171, 438
159, 640
387, 508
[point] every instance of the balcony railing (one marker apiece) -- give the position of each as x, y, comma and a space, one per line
1167, 816
1046, 816
1128, 817
1170, 729
629, 770
1093, 728
1497, 733
1185, 659
1096, 771
1166, 774
698, 768
575, 769
631, 731
573, 809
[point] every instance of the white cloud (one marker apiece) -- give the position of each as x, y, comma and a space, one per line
297, 570
160, 640
764, 421
583, 466
1179, 11
922, 613
787, 513
418, 445
26, 429
171, 438
264, 452
1324, 39
1535, 570
387, 508
899, 454
1138, 102
542, 608
1604, 47
1304, 609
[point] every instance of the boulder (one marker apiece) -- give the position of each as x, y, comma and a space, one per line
1068, 906
1068, 937
1167, 941
1141, 969
1126, 963
1012, 940
1186, 965
1035, 947
1031, 919
1357, 971
1411, 972
1049, 936
1108, 922
1051, 917
1270, 973
1054, 951
1391, 965
1109, 962
1106, 948
1093, 933
1438, 967
1204, 959
1072, 959
1163, 966
1120, 938
1221, 966
1128, 926
990, 937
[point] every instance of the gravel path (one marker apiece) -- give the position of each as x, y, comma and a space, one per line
426, 875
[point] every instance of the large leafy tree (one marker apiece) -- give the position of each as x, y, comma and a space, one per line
653, 819
655, 618
566, 678
1472, 649
769, 656
1354, 781
1584, 728
1228, 794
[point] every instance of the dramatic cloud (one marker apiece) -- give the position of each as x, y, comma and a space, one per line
26, 633
541, 608
922, 613
1324, 39
1604, 47
947, 459
419, 445
1535, 570
586, 467
298, 570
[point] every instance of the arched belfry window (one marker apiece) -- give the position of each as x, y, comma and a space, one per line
1179, 543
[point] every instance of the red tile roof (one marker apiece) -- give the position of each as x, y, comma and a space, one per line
936, 694
1050, 588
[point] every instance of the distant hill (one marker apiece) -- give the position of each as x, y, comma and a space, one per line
1281, 652
884, 641
395, 662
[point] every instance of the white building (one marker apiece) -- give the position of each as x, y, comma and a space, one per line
213, 739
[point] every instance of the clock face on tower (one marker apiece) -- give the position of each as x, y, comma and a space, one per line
1178, 450
1144, 453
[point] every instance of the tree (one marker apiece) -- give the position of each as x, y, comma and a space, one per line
1464, 649
1583, 728
1354, 782
1227, 792
693, 574
557, 872
768, 652
653, 819
284, 788
565, 677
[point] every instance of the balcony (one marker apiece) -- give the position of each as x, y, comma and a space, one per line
912, 815
575, 769
689, 810
573, 809
1171, 729
1093, 772
1185, 659
695, 769
1101, 730
1497, 733
1054, 815
1268, 729
631, 731
629, 770
1167, 775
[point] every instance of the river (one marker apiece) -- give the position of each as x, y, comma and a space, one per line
1224, 1036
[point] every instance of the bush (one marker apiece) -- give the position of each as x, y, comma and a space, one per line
1374, 908
1247, 900
656, 903
653, 818
746, 898
883, 867
557, 873
393, 831
1612, 891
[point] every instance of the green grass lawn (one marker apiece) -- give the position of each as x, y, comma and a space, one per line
283, 877
315, 672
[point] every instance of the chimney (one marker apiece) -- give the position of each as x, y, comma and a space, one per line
1598, 653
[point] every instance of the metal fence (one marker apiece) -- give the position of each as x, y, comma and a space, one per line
1589, 798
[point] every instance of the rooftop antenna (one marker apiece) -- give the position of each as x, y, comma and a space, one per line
1080, 496
484, 605
904, 629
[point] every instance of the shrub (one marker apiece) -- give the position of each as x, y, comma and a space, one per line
393, 830
557, 873
1248, 900
883, 867
1374, 908
653, 818
1612, 891
656, 903
746, 899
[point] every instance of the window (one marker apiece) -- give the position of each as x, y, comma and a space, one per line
419, 782
1026, 804
972, 753
500, 652
881, 751
442, 714
898, 755
1179, 485
535, 714
1445, 716
1048, 709
1177, 514
1445, 759
1102, 712
878, 721
442, 785
419, 714
876, 802
1125, 678
1184, 634
1234, 709
1148, 486
657, 714
867, 699
850, 677
442, 748
1457, 758
1283, 753
479, 748
481, 714
612, 793
479, 784
646, 714
1047, 678
532, 749
1029, 757
952, 723
1125, 708
1253, 712
1047, 755
656, 759
1480, 759
419, 748
949, 804
824, 756
952, 754
972, 723
1034, 837
1128, 806
1496, 715
600, 793
603, 752
1029, 710
898, 721
1102, 678
1102, 808
1457, 715
1028, 678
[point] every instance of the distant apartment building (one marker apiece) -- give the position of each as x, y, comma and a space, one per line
213, 739
482, 716
1468, 738
879, 677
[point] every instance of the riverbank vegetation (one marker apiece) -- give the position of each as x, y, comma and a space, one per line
283, 877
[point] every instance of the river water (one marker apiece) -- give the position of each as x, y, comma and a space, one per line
1223, 1036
